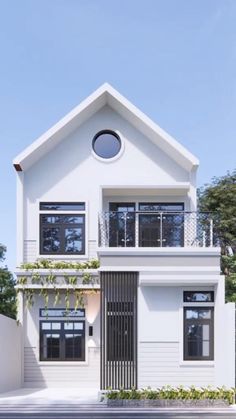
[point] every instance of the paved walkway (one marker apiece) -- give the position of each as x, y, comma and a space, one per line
73, 403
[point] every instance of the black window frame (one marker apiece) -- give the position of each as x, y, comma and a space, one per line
62, 227
62, 332
104, 132
198, 321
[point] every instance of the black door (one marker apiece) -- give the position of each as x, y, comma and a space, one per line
118, 330
121, 224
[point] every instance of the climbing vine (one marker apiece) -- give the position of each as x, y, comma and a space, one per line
50, 282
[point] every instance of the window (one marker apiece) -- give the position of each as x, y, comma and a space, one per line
61, 312
62, 234
121, 224
62, 340
106, 144
62, 206
161, 224
198, 325
198, 296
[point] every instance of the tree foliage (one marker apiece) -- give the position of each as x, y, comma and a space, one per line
7, 290
219, 198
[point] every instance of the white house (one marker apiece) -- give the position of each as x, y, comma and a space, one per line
107, 183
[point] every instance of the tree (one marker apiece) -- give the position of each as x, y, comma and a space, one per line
7, 290
219, 198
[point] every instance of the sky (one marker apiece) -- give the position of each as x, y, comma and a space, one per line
174, 59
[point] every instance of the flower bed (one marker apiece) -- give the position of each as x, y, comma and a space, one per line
172, 397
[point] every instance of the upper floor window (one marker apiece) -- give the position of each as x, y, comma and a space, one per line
62, 234
106, 144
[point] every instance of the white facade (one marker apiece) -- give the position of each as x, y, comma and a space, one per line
61, 166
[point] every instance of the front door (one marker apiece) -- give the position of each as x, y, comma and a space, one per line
121, 224
119, 330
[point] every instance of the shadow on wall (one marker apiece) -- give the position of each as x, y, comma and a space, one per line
165, 298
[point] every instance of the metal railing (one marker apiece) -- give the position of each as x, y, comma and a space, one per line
156, 229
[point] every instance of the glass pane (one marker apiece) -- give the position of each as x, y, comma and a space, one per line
51, 240
68, 326
205, 331
46, 326
121, 207
69, 338
206, 348
55, 352
198, 313
61, 312
152, 206
77, 346
62, 219
79, 326
107, 145
198, 296
68, 206
122, 229
56, 326
149, 230
172, 230
73, 240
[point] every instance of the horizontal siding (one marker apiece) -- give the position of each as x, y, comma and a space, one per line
81, 375
30, 251
158, 365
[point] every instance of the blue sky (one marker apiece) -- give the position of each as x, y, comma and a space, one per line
174, 59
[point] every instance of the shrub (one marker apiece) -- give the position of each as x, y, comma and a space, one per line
175, 393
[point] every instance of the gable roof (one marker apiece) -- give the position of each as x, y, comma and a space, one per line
104, 95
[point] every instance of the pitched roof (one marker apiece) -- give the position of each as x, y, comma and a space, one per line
104, 95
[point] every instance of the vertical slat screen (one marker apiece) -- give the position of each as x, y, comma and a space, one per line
118, 330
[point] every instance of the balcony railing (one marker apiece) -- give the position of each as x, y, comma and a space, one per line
156, 229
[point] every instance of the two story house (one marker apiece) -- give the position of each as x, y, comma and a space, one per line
128, 291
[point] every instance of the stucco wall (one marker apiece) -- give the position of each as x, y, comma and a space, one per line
160, 340
10, 354
70, 172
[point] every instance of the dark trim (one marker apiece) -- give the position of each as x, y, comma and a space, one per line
18, 167
62, 332
61, 227
106, 131
61, 316
209, 322
118, 330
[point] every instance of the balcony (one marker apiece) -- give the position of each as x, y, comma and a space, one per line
145, 229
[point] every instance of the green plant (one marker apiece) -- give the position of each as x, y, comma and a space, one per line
175, 393
50, 279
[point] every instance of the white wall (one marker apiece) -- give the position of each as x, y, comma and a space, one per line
58, 374
10, 354
71, 172
160, 340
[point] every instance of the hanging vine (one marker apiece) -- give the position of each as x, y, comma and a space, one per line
49, 282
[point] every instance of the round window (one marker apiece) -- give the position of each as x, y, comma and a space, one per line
106, 144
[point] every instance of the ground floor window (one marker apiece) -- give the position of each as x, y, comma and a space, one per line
62, 340
198, 333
